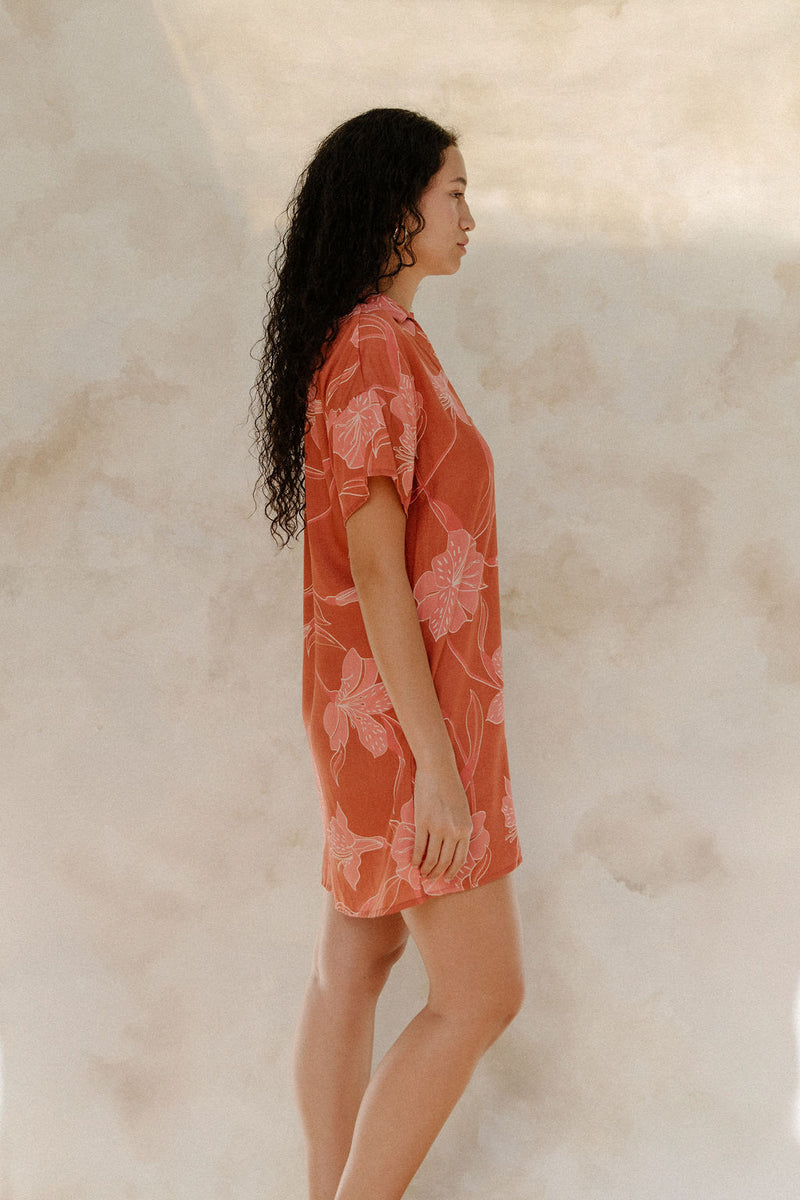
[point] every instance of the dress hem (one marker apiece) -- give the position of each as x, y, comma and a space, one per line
413, 901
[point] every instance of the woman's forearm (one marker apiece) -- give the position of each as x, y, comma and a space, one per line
376, 544
395, 637
376, 537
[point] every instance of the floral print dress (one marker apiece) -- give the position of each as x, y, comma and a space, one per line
382, 405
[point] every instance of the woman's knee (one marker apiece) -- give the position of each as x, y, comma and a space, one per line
472, 950
357, 959
486, 1007
378, 965
511, 999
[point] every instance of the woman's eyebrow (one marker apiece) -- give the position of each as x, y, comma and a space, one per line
459, 179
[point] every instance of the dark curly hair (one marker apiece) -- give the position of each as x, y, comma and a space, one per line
354, 209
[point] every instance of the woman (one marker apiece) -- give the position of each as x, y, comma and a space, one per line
364, 442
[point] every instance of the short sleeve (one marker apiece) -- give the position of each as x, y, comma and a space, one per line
372, 412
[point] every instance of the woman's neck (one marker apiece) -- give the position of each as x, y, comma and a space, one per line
401, 288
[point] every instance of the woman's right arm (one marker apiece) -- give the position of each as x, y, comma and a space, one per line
376, 544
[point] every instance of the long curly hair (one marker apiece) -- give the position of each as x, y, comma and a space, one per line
350, 225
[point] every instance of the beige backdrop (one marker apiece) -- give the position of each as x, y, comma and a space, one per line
626, 332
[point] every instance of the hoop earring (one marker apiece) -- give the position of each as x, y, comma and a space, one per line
400, 236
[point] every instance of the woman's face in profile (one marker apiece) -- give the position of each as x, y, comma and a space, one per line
441, 245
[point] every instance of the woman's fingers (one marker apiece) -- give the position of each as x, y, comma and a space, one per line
420, 842
459, 858
435, 845
449, 861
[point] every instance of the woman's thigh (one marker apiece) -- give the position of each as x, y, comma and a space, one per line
471, 945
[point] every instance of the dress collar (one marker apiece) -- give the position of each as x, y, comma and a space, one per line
381, 300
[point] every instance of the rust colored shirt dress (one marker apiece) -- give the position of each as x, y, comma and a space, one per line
382, 405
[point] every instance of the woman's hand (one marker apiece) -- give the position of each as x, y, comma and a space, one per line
442, 823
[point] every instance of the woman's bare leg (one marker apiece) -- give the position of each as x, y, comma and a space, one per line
470, 945
333, 1048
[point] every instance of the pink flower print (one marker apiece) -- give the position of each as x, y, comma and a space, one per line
317, 630
402, 848
313, 412
359, 698
444, 391
447, 595
348, 596
406, 457
355, 428
509, 816
347, 847
497, 710
404, 405
314, 405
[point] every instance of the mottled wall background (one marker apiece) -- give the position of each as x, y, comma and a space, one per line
626, 332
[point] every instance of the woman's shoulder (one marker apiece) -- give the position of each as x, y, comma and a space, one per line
374, 335
383, 307
377, 316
